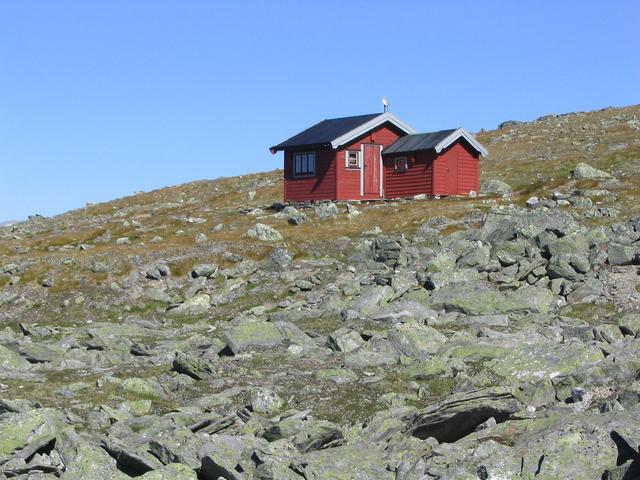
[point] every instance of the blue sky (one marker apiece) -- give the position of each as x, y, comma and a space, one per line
102, 98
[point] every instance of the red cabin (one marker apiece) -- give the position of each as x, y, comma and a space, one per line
369, 157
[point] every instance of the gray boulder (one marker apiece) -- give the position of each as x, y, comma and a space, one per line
23, 434
490, 187
586, 171
623, 254
173, 471
371, 299
197, 368
264, 400
376, 352
279, 259
345, 340
458, 415
629, 323
403, 311
265, 233
196, 305
253, 336
325, 211
508, 223
416, 340
482, 298
10, 360
204, 270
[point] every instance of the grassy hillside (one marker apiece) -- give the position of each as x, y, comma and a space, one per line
103, 316
536, 158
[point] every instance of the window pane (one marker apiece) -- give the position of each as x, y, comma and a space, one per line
312, 163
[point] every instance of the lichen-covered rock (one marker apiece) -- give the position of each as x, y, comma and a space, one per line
376, 352
92, 463
204, 270
489, 187
143, 388
416, 340
279, 259
345, 340
24, 433
370, 300
586, 171
264, 400
197, 368
506, 223
555, 447
265, 233
10, 360
481, 298
629, 323
531, 361
623, 254
402, 311
476, 257
458, 415
196, 305
326, 211
220, 456
173, 471
349, 462
253, 336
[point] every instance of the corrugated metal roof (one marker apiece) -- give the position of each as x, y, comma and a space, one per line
325, 132
417, 142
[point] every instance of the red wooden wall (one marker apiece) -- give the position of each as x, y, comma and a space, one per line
455, 171
320, 187
349, 178
415, 180
333, 180
463, 163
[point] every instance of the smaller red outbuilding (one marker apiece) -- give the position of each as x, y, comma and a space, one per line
369, 157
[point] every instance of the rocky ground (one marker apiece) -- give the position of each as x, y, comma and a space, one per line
205, 331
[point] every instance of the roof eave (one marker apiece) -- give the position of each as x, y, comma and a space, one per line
371, 124
279, 148
460, 133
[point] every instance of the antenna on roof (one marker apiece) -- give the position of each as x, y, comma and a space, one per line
385, 104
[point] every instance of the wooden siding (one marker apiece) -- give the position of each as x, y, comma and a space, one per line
415, 180
348, 186
348, 178
322, 186
468, 169
463, 159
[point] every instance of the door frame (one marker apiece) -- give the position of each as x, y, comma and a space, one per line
362, 145
452, 180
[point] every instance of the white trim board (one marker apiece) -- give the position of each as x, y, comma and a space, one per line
362, 170
370, 125
460, 132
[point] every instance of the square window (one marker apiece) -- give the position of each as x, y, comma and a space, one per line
401, 164
304, 164
353, 159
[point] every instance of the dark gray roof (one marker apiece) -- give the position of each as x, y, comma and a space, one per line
324, 132
418, 141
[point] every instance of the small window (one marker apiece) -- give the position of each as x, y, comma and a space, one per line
401, 164
353, 159
304, 164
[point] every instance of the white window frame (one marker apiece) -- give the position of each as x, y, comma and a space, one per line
346, 159
304, 164
398, 161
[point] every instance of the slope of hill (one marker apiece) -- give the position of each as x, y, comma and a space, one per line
8, 223
202, 330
